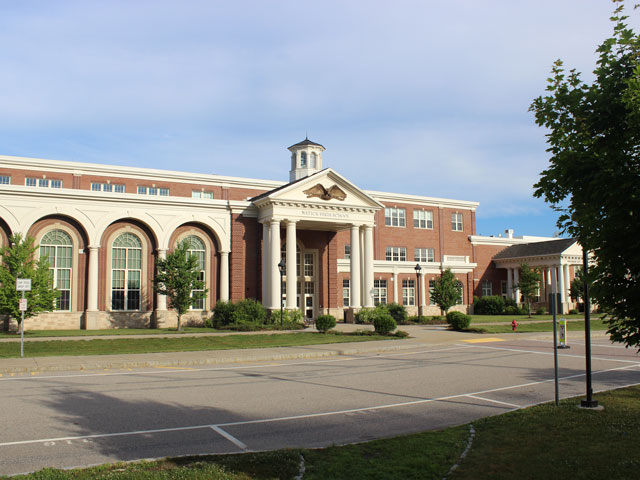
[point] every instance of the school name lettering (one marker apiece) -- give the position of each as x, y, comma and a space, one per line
312, 213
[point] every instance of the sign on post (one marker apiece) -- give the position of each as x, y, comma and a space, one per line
22, 306
563, 333
23, 284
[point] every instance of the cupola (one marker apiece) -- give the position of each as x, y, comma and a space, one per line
306, 159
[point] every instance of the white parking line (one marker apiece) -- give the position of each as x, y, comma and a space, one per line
312, 415
495, 401
176, 370
230, 437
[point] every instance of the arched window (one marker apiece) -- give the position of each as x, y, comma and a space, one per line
126, 272
197, 248
303, 160
312, 163
57, 247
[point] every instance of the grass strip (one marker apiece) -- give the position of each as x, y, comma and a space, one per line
177, 344
544, 441
596, 324
108, 331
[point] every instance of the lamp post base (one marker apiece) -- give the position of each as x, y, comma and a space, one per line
589, 403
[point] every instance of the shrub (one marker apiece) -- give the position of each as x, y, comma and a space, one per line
458, 321
366, 315
541, 311
425, 320
325, 323
222, 314
249, 311
397, 311
489, 305
511, 310
509, 302
573, 311
401, 334
383, 323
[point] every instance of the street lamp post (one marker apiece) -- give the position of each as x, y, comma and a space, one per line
281, 267
418, 269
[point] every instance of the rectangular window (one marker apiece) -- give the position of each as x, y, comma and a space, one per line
31, 182
408, 292
347, 251
107, 187
96, 187
423, 219
503, 288
379, 292
461, 298
43, 182
396, 254
5, 179
153, 191
308, 264
424, 254
142, 190
198, 194
164, 192
432, 284
395, 217
56, 183
456, 222
309, 288
487, 288
345, 293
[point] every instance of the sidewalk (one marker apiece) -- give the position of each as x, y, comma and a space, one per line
420, 336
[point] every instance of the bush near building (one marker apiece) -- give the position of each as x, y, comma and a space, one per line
384, 323
458, 321
324, 323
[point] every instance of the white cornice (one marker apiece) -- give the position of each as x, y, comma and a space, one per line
420, 200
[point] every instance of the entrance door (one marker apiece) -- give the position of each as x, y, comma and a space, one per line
308, 280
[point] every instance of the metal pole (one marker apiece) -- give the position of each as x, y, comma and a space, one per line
589, 402
419, 303
555, 336
22, 331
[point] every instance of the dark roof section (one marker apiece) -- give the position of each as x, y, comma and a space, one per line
551, 247
266, 194
306, 141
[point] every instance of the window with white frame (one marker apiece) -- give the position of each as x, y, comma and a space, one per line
487, 288
460, 300
424, 254
423, 219
5, 179
396, 254
163, 192
198, 249
395, 217
432, 285
107, 187
345, 293
144, 190
202, 194
308, 264
408, 292
379, 292
42, 182
57, 247
456, 222
503, 288
347, 251
126, 272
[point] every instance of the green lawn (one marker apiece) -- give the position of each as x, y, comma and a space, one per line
108, 331
534, 443
176, 344
576, 325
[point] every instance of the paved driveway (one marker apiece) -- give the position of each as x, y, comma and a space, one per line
83, 418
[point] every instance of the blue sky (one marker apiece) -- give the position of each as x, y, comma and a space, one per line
419, 97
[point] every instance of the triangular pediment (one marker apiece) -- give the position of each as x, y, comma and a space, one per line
325, 188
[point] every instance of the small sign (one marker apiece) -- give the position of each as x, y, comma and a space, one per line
22, 306
23, 284
563, 333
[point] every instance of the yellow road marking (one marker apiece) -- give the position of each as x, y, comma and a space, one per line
483, 340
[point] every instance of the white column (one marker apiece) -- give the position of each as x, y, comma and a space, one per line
395, 286
547, 283
554, 287
92, 283
516, 280
363, 293
509, 283
292, 279
161, 300
274, 275
567, 283
266, 292
368, 265
224, 276
423, 296
561, 284
355, 267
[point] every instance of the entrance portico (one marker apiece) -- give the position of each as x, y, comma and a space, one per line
322, 202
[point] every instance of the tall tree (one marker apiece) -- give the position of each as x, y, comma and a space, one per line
18, 261
576, 290
178, 277
528, 283
593, 178
446, 290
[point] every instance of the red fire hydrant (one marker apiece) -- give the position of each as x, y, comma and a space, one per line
514, 325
